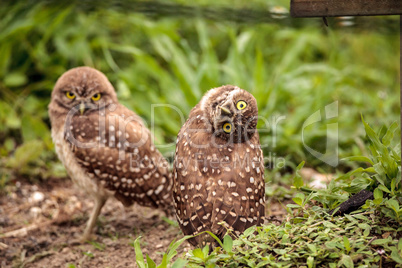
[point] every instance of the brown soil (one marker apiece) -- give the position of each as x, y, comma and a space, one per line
41, 224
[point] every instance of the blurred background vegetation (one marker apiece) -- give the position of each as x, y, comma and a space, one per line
171, 52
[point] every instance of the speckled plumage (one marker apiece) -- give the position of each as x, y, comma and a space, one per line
218, 176
106, 149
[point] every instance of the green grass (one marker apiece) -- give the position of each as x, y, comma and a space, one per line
292, 71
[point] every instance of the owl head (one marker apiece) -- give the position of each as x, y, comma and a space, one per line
232, 113
83, 90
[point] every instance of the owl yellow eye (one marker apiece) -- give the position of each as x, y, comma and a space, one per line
96, 97
240, 105
70, 95
227, 127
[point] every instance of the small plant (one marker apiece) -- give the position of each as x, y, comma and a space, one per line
167, 257
97, 245
197, 256
386, 172
88, 253
382, 176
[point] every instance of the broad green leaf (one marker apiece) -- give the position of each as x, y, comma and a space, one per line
396, 256
393, 183
249, 231
377, 201
300, 166
370, 170
298, 201
330, 224
386, 140
150, 262
381, 241
205, 250
179, 263
164, 262
25, 154
33, 128
139, 258
347, 261
331, 244
15, 79
346, 244
310, 262
312, 248
378, 194
358, 158
350, 174
198, 253
298, 181
400, 245
384, 189
174, 245
227, 243
374, 138
393, 204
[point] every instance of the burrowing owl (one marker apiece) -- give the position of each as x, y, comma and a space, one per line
105, 148
219, 169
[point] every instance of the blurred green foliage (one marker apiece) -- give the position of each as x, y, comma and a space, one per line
292, 67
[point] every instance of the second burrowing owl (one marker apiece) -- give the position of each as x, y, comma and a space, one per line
219, 168
105, 148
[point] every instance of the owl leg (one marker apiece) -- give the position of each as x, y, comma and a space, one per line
123, 211
99, 202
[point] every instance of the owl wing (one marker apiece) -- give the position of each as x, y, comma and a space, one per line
190, 191
251, 208
115, 148
259, 214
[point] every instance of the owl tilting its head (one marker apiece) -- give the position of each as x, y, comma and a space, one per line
106, 148
219, 167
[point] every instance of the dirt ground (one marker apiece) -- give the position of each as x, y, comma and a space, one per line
40, 225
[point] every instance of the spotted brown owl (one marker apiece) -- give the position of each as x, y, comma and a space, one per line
106, 148
219, 168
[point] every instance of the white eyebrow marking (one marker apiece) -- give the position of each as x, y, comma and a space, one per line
206, 97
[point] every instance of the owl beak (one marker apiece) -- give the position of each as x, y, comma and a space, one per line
82, 108
225, 110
